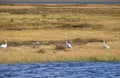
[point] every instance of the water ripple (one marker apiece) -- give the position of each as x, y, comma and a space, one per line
61, 70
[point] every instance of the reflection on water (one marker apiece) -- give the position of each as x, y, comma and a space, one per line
61, 70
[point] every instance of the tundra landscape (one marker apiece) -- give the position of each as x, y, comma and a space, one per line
37, 33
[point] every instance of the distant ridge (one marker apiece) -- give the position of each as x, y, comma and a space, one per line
60, 2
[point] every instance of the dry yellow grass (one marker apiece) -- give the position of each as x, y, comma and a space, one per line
55, 23
16, 7
89, 52
29, 35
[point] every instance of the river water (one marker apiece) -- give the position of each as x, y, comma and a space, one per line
61, 70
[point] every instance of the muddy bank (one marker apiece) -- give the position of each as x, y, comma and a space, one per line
76, 41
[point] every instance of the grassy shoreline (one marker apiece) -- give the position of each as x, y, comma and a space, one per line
48, 25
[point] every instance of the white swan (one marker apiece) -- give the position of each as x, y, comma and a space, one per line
4, 45
105, 45
68, 45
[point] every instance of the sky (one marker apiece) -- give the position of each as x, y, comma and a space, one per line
6, 1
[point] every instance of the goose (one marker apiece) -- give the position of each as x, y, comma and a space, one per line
68, 45
4, 45
105, 45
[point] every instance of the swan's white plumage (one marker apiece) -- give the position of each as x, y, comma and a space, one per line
4, 45
105, 45
68, 45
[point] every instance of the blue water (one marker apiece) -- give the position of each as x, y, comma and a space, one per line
60, 2
61, 70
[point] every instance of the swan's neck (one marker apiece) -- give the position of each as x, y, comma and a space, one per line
6, 42
103, 42
66, 41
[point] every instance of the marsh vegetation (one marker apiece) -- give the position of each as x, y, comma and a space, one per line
36, 33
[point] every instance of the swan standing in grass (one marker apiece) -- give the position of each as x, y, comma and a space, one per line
68, 45
4, 45
105, 45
